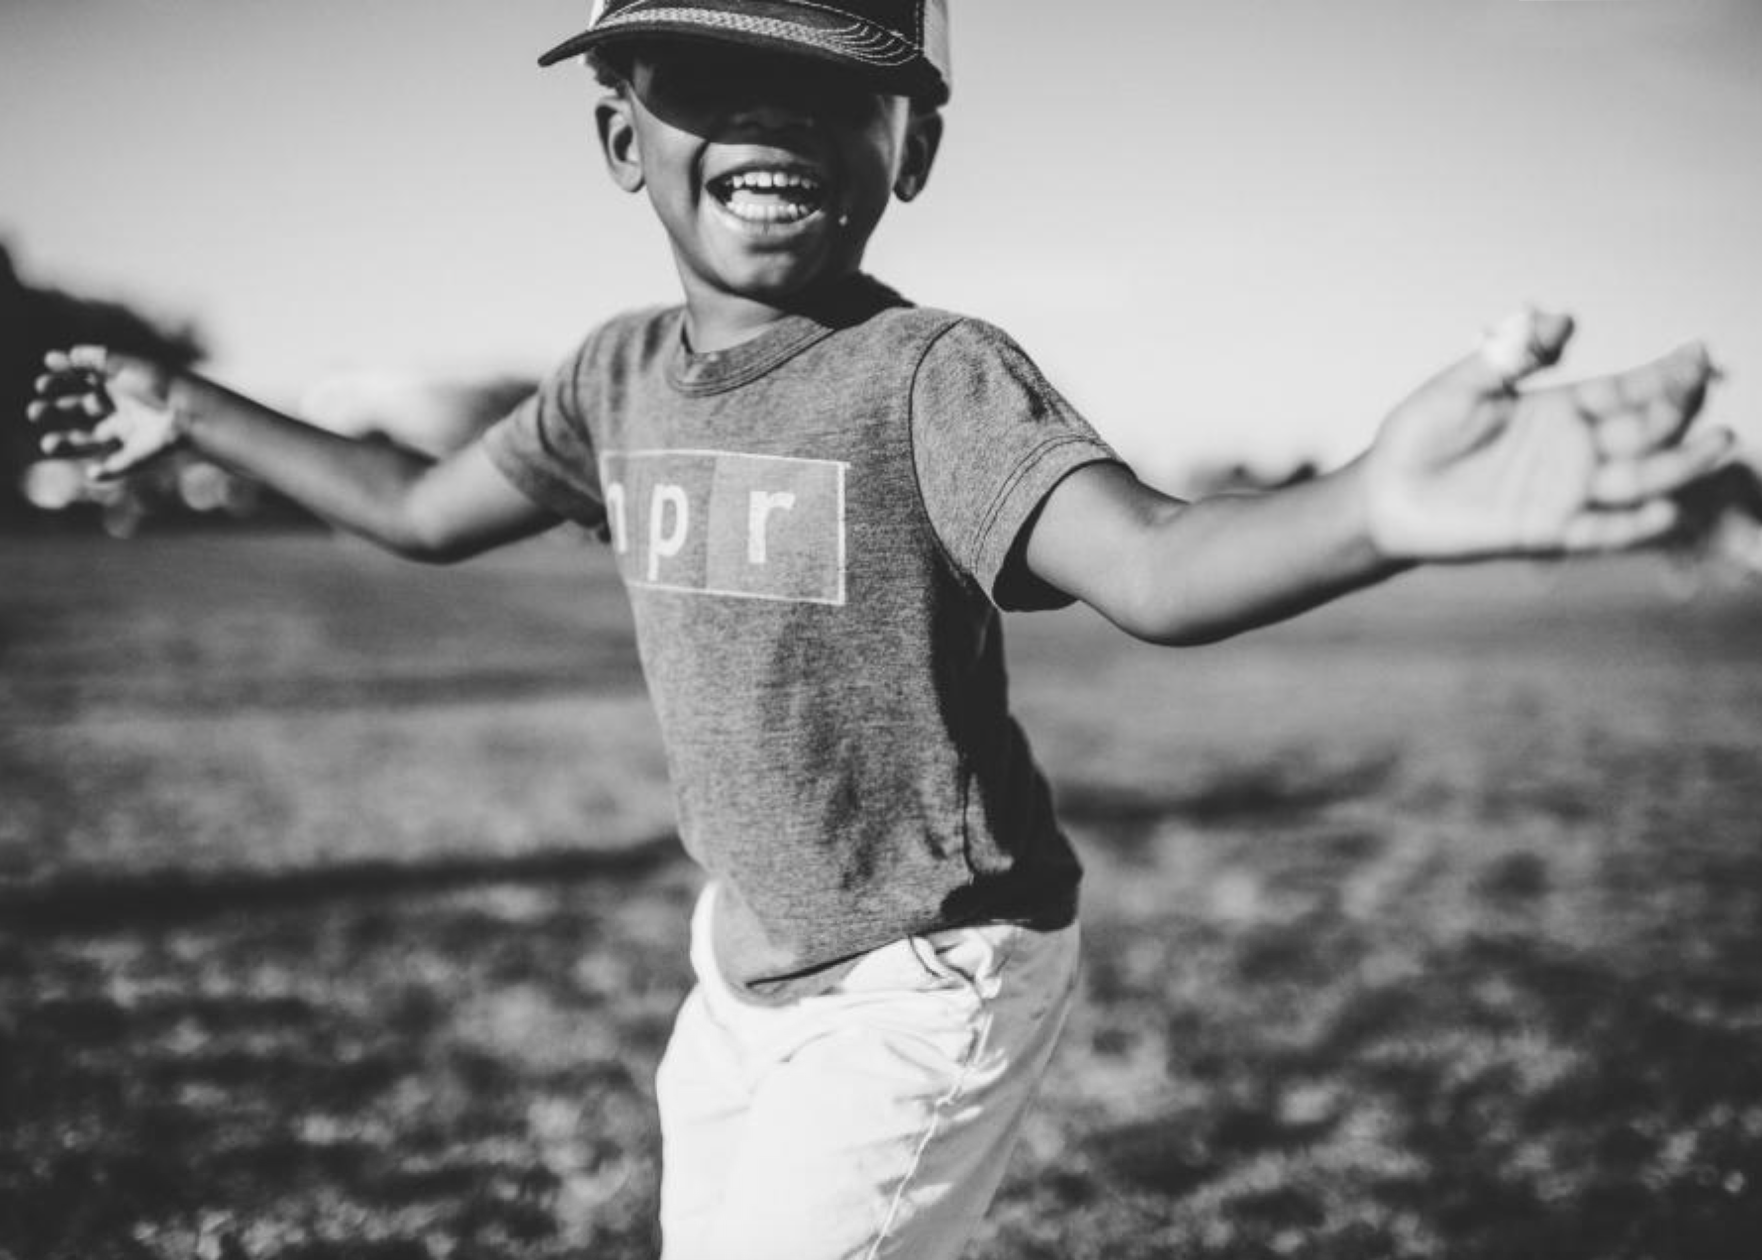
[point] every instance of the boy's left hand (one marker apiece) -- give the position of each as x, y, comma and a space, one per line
1469, 468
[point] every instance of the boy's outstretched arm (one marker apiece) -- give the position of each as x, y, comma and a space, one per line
117, 411
1466, 468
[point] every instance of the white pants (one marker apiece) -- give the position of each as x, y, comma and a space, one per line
871, 1121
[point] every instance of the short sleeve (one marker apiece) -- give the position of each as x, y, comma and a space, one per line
991, 438
545, 449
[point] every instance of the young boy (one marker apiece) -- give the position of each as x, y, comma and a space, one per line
819, 496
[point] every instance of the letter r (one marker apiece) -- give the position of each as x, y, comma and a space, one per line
760, 505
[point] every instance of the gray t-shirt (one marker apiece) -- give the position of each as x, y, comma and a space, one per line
815, 529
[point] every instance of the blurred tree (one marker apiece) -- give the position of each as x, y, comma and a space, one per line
35, 320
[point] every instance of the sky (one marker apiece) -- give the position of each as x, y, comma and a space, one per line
1238, 229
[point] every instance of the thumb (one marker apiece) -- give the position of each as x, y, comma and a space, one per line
1524, 342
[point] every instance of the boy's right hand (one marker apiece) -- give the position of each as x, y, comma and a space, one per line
113, 410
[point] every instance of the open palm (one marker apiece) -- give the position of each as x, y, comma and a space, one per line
1468, 467
111, 410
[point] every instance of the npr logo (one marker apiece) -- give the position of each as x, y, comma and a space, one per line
722, 523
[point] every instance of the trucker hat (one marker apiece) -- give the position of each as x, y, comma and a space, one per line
900, 44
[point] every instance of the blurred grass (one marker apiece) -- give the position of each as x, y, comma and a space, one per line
336, 918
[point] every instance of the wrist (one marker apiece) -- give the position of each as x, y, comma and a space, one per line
179, 394
1366, 507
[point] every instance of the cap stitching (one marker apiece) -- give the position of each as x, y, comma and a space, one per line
733, 21
831, 40
856, 18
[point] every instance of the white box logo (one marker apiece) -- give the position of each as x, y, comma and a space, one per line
725, 523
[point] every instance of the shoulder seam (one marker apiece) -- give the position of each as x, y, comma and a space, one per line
911, 437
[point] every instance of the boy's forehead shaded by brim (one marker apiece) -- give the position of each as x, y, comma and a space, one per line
899, 46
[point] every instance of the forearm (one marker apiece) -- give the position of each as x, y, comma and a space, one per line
1212, 569
362, 486
1467, 467
1187, 573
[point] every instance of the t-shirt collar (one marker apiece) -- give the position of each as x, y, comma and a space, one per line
852, 302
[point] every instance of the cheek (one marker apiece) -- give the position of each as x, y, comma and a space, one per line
667, 155
673, 194
877, 159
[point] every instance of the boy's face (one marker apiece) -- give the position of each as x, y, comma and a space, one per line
768, 172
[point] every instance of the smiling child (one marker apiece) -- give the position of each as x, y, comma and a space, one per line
820, 496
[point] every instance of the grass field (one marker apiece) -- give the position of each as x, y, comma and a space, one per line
340, 917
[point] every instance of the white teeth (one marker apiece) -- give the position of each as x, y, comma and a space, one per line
760, 212
771, 179
769, 196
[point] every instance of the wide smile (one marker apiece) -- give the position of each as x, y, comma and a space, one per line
769, 198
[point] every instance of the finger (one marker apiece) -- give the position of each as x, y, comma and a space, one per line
98, 364
1630, 482
73, 445
1617, 530
52, 410
52, 387
1635, 430
86, 360
1661, 421
60, 409
105, 435
64, 380
1669, 391
1525, 342
69, 408
1522, 343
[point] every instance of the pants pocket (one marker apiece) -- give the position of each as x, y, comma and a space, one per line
908, 965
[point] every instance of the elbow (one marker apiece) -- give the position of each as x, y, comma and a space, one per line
1176, 632
430, 549
1162, 614
411, 536
1183, 636
1151, 589
424, 554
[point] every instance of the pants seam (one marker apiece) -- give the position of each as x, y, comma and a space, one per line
937, 1110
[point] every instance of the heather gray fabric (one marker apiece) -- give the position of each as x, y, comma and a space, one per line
813, 527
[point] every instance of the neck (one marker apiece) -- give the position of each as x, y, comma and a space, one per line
716, 320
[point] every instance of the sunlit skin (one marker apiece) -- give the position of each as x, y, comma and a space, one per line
692, 118
1467, 467
769, 174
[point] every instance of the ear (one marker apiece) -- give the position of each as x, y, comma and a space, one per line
923, 136
618, 143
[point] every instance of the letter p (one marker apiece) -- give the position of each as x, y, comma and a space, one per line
665, 541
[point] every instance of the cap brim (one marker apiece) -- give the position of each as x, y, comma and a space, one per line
904, 72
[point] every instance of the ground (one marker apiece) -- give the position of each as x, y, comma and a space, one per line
341, 916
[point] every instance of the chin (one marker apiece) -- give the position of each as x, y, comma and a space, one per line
779, 286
